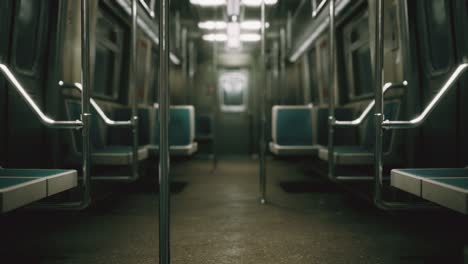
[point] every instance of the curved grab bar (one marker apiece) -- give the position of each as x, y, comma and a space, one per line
419, 120
96, 107
366, 112
34, 107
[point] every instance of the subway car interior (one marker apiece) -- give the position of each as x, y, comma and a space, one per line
234, 131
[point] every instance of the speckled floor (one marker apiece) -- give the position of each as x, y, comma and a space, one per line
216, 219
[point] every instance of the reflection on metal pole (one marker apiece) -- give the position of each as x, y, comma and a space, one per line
331, 91
164, 157
85, 105
378, 116
263, 88
133, 84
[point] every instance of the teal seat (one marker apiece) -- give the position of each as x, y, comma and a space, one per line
292, 132
103, 153
19, 187
363, 154
445, 186
181, 130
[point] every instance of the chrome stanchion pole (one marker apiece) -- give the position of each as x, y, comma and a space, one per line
133, 89
331, 92
379, 107
164, 157
85, 104
262, 110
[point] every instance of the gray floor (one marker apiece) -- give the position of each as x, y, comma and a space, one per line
216, 219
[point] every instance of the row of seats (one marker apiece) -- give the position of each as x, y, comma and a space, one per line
303, 130
19, 187
110, 147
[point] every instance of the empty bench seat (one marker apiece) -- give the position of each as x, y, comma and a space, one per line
105, 148
181, 131
363, 154
19, 187
292, 132
446, 187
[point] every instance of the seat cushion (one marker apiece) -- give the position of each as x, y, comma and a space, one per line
349, 155
117, 155
410, 180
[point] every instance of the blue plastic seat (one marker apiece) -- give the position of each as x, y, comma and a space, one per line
363, 154
102, 153
446, 187
181, 131
292, 132
19, 187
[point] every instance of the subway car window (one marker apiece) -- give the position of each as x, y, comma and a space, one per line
439, 34
27, 31
324, 70
358, 57
143, 70
233, 92
312, 57
153, 77
108, 65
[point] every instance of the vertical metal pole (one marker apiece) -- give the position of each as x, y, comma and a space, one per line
262, 110
283, 66
216, 101
133, 88
164, 157
331, 93
85, 104
379, 107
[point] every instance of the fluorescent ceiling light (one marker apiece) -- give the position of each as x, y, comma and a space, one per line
212, 25
224, 37
208, 3
253, 25
233, 33
215, 37
256, 3
215, 3
250, 37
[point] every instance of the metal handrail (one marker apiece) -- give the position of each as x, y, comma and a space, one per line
367, 111
96, 107
421, 118
49, 122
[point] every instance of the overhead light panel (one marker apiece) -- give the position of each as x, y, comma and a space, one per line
257, 3
208, 3
212, 25
215, 37
216, 3
253, 25
233, 34
250, 37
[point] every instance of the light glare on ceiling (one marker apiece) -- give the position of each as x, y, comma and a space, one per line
253, 25
250, 37
256, 3
212, 25
215, 37
215, 3
208, 3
